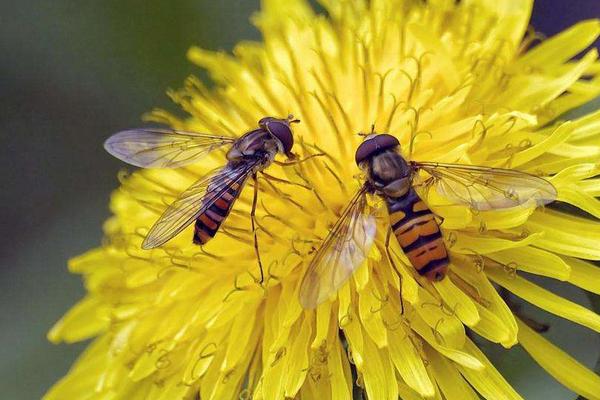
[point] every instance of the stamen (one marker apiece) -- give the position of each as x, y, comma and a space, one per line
337, 178
227, 376
482, 227
439, 338
208, 351
451, 239
470, 290
380, 97
279, 355
395, 106
236, 288
332, 122
206, 253
338, 103
163, 360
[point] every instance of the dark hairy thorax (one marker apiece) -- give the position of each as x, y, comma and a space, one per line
386, 168
254, 144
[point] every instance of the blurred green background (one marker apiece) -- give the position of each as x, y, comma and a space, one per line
71, 74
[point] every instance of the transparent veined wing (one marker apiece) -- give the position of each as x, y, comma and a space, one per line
195, 200
485, 188
162, 148
345, 248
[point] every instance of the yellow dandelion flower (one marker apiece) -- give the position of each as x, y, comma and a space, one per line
454, 81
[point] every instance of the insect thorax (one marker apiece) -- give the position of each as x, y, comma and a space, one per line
389, 173
254, 143
387, 167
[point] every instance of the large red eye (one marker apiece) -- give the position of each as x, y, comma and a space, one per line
372, 146
282, 131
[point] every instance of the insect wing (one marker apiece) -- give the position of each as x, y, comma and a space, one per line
195, 201
345, 248
162, 148
485, 188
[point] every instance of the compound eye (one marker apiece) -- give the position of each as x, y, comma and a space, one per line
263, 121
374, 144
283, 132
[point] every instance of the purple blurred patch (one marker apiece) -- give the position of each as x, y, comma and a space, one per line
553, 16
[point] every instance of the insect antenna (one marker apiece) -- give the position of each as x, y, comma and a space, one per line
363, 134
292, 120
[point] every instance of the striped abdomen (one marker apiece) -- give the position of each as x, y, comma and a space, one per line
419, 235
208, 223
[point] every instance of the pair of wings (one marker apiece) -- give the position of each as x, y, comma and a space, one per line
163, 148
349, 241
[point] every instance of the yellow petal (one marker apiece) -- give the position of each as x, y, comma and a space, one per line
444, 61
84, 374
488, 382
323, 324
535, 261
81, 322
546, 299
449, 328
172, 390
563, 46
354, 335
559, 364
492, 308
584, 274
558, 136
580, 200
458, 301
471, 244
406, 393
459, 356
562, 234
298, 362
449, 380
586, 127
492, 327
239, 338
339, 368
409, 363
576, 172
378, 373
370, 303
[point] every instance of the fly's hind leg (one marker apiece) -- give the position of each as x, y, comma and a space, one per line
394, 267
253, 218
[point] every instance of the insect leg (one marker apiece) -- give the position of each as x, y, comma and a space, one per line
252, 218
297, 161
280, 180
394, 267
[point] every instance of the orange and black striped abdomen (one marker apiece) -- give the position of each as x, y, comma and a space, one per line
208, 223
418, 234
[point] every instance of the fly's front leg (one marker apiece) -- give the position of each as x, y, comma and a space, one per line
252, 218
394, 267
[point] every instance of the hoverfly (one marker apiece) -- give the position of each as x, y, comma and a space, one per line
394, 179
210, 199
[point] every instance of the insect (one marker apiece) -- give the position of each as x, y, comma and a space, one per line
396, 181
209, 200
